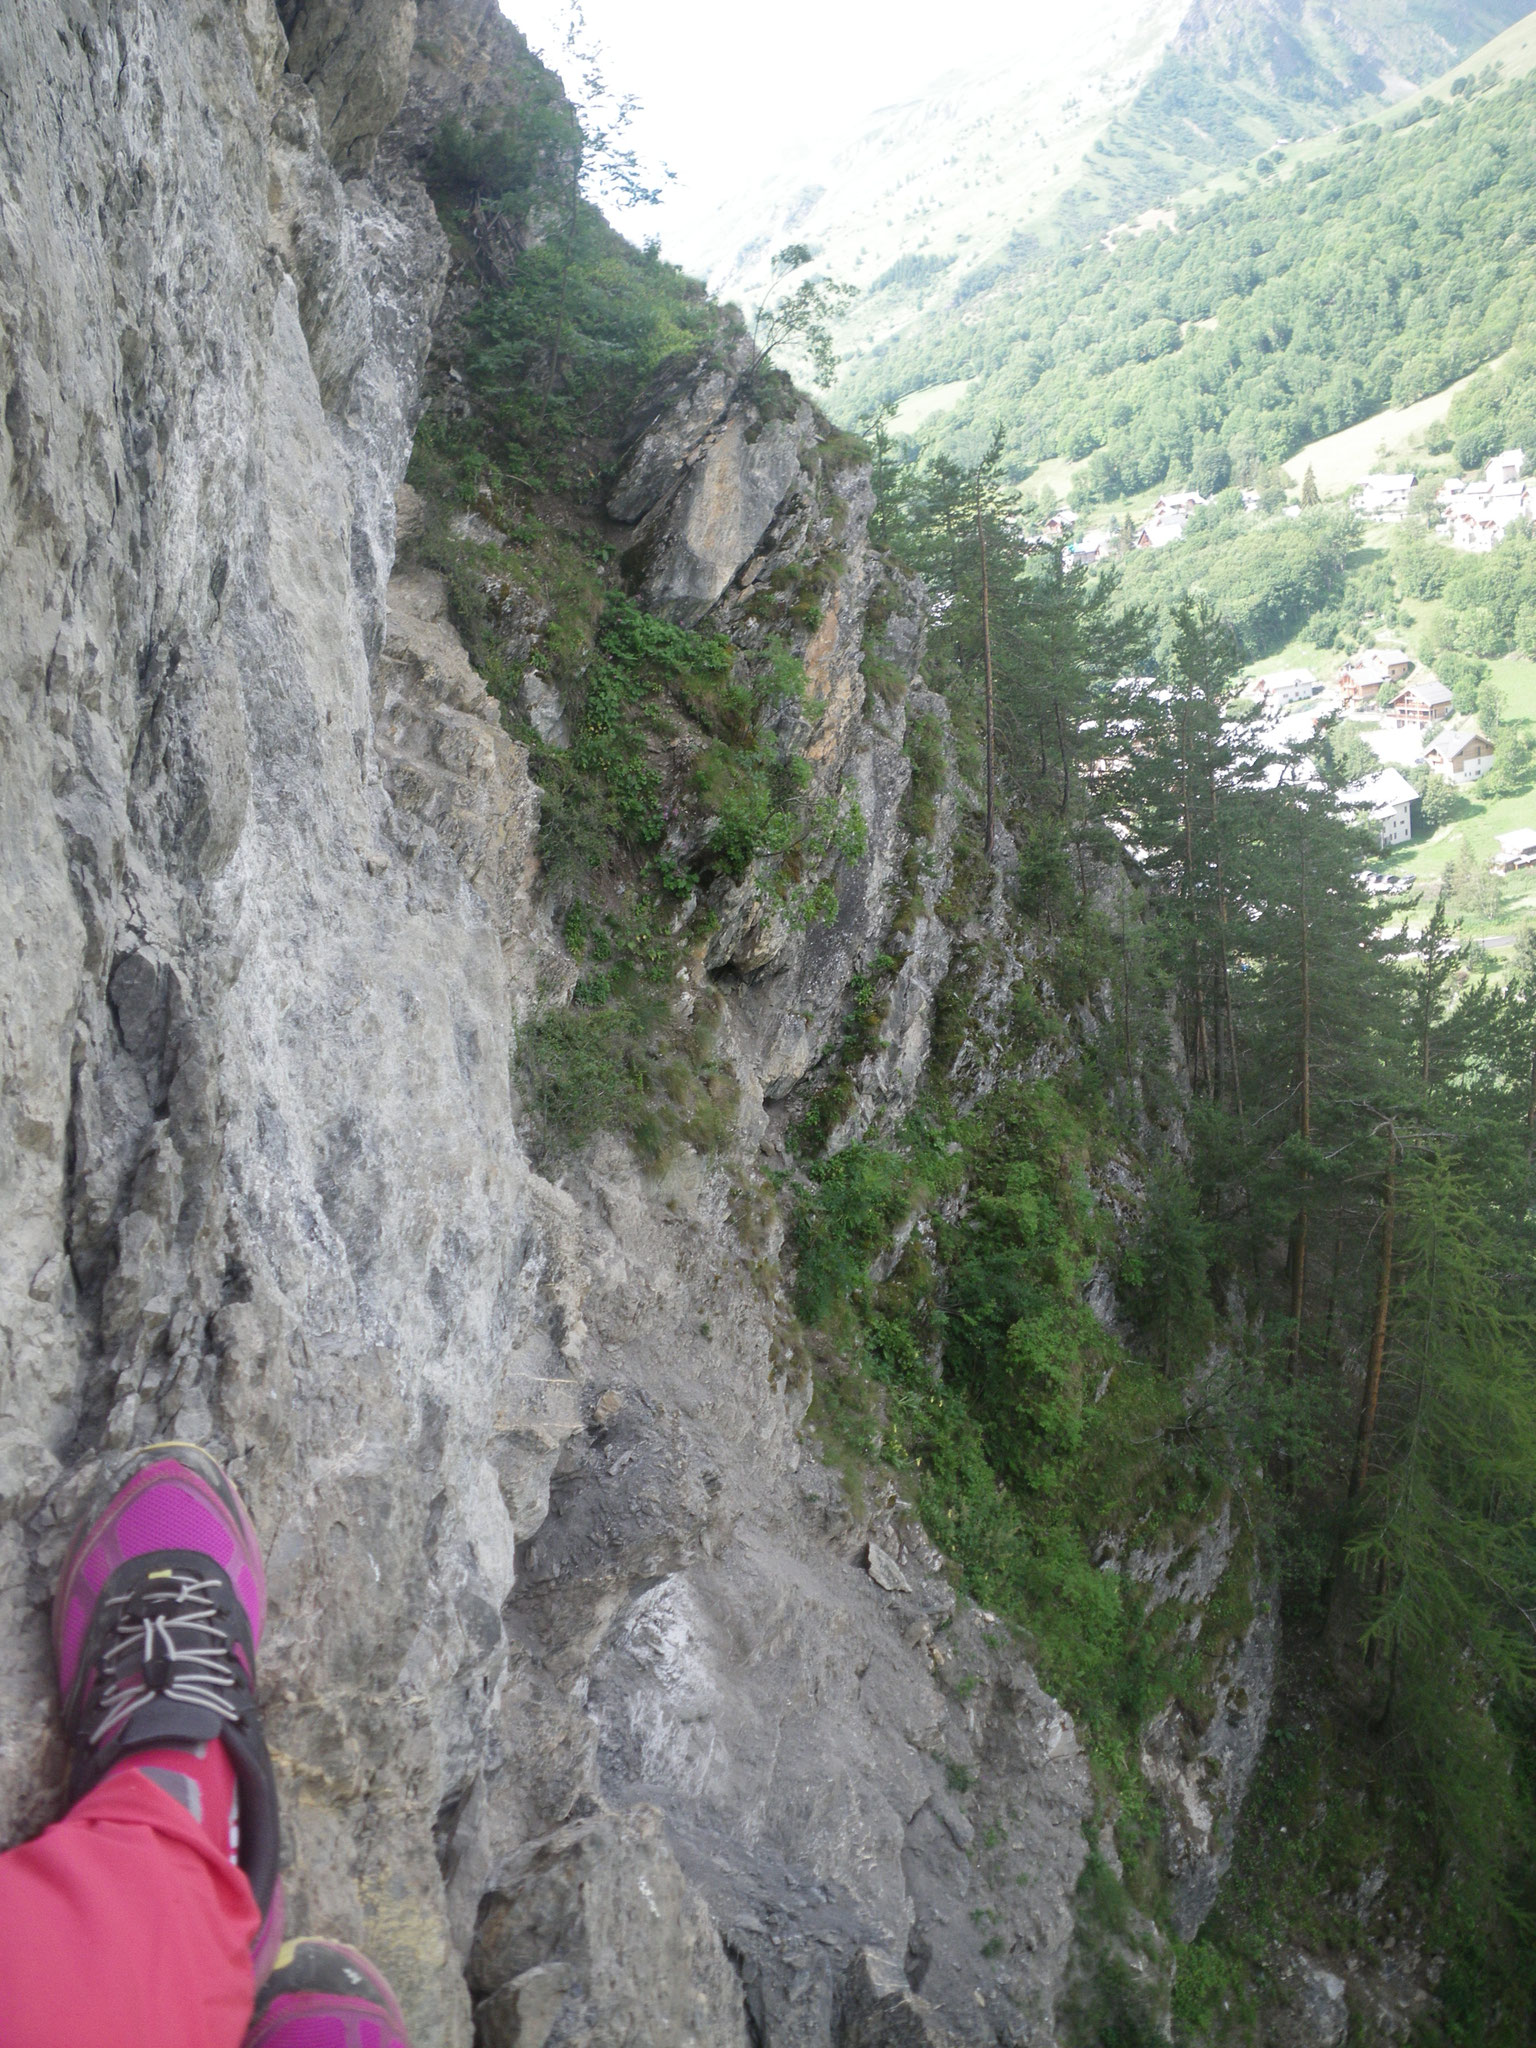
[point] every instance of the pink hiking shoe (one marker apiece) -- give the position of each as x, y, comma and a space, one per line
156, 1622
323, 1995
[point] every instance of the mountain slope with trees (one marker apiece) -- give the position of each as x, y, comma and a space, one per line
1335, 1259
1239, 79
1371, 274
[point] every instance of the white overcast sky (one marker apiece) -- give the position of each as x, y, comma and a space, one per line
730, 91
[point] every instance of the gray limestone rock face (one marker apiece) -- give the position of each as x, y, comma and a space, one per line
1201, 1771
261, 1184
355, 57
593, 1936
453, 771
700, 1599
886, 1082
1314, 2012
727, 506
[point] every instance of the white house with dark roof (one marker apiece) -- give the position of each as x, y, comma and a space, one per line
1479, 514
1385, 498
1283, 686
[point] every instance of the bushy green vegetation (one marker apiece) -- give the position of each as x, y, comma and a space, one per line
1487, 602
674, 770
1271, 578
570, 320
1372, 276
1497, 410
975, 1370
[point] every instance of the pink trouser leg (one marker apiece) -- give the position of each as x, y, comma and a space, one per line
123, 1927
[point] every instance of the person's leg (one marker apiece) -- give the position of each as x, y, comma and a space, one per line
125, 1926
147, 1914
323, 1995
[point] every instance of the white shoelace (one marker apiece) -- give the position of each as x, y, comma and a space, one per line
175, 1625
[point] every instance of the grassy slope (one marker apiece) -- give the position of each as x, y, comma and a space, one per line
1387, 441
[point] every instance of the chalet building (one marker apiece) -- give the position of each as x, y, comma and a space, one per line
1516, 850
1387, 798
1424, 701
1385, 498
1170, 516
1507, 468
1366, 674
1459, 752
1361, 687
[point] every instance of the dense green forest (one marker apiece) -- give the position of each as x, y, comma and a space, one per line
1333, 1276
1369, 276
1325, 1271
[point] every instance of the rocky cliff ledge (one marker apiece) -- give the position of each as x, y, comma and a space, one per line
600, 1717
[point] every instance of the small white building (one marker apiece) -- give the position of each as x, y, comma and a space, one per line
1162, 529
1459, 752
1283, 686
1385, 498
1516, 850
1507, 468
1387, 798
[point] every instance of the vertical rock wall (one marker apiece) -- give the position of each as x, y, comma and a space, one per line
260, 1181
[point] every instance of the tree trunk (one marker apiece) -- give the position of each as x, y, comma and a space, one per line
1226, 968
1299, 1242
986, 646
1066, 761
1199, 1048
568, 258
1333, 1289
1371, 1393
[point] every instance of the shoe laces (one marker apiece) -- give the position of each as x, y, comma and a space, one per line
170, 1642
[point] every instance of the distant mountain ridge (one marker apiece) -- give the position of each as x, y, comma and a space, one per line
930, 201
1241, 75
